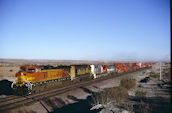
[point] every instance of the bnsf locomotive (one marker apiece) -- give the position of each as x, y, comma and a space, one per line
29, 76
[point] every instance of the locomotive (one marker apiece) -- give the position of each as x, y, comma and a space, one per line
31, 75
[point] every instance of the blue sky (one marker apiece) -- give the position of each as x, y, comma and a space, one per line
85, 29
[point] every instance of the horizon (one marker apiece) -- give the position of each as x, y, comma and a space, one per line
122, 30
65, 60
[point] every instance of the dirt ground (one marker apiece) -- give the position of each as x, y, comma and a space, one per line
8, 73
157, 98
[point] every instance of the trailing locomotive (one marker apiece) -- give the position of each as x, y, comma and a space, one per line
29, 76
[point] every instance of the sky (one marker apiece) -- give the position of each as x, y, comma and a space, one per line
126, 30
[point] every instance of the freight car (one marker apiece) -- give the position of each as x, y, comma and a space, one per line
101, 70
119, 67
111, 69
124, 67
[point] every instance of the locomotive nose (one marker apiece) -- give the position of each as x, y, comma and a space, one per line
21, 78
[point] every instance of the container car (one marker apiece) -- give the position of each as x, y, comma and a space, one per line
96, 70
111, 68
101, 70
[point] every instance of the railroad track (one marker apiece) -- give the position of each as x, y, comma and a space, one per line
4, 99
18, 101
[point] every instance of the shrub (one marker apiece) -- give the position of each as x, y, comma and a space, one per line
140, 95
116, 94
154, 75
127, 106
140, 86
144, 108
10, 65
168, 73
100, 98
143, 72
128, 83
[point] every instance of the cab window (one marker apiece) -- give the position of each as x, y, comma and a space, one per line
31, 70
22, 69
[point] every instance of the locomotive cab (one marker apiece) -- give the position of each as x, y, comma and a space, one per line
22, 84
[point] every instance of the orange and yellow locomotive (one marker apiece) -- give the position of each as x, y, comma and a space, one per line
29, 75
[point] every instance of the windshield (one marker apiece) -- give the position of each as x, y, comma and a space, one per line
31, 70
23, 69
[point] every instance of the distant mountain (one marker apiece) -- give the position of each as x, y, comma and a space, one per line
47, 61
59, 62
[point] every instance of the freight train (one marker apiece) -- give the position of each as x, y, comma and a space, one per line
30, 75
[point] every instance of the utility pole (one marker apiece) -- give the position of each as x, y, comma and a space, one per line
160, 77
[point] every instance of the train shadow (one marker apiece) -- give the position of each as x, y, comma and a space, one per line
58, 105
87, 90
80, 106
5, 87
